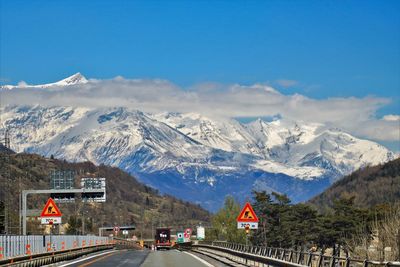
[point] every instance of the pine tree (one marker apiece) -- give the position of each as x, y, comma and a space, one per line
282, 224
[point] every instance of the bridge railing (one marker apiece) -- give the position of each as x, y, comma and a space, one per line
15, 246
289, 257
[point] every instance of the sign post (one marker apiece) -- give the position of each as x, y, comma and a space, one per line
187, 234
51, 214
247, 220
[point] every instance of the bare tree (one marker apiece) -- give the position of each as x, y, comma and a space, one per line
384, 241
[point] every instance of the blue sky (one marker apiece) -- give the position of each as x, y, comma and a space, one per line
319, 49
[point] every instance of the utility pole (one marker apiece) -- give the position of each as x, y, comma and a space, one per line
141, 228
247, 229
20, 210
7, 192
152, 229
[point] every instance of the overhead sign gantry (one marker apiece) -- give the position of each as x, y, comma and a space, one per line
93, 191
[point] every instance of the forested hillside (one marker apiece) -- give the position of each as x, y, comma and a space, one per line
344, 229
128, 201
370, 186
360, 211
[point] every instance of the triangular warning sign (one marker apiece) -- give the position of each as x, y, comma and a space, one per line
247, 214
50, 209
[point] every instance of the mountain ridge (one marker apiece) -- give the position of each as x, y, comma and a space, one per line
369, 186
194, 153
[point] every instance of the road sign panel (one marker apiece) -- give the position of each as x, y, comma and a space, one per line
94, 183
188, 233
180, 237
251, 225
51, 220
247, 214
50, 209
201, 233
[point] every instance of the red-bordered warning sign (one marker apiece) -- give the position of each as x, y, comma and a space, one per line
247, 214
50, 209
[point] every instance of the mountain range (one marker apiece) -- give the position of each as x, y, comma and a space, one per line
189, 155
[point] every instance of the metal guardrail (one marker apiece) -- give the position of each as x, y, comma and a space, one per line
69, 248
17, 246
287, 257
52, 257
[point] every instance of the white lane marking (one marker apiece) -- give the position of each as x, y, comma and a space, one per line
87, 258
200, 259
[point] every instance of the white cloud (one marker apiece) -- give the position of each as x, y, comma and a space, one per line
356, 115
391, 117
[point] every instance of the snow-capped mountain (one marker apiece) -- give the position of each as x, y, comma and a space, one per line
75, 79
192, 156
283, 146
189, 155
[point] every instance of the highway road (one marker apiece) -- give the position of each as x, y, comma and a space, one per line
173, 258
114, 258
138, 258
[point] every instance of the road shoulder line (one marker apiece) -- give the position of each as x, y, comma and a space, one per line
200, 259
86, 258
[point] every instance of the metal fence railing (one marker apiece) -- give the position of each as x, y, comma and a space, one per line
14, 246
289, 257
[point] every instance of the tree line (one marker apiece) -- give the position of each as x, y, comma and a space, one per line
345, 228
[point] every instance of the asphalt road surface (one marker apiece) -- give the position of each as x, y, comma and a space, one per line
173, 258
139, 258
116, 258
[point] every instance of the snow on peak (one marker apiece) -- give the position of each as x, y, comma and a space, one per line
129, 138
77, 78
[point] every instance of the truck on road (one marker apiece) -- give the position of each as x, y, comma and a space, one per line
163, 238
